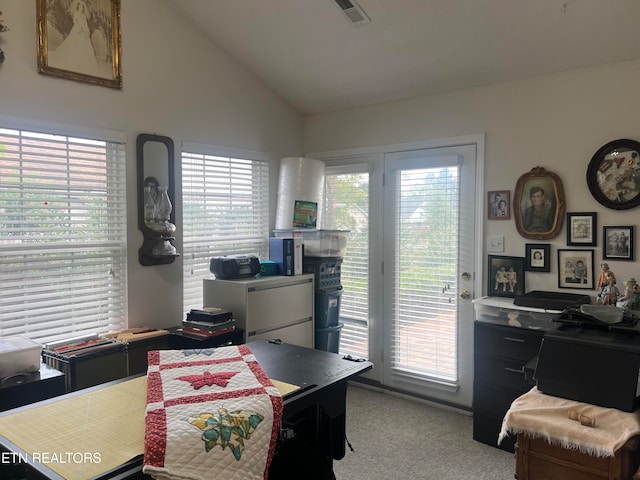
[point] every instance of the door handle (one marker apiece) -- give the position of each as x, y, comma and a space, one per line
465, 294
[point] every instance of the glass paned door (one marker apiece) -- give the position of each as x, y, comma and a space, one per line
428, 243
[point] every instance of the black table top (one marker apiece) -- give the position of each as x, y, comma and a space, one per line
316, 372
307, 368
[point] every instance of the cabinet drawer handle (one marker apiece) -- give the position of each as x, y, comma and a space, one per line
514, 370
511, 339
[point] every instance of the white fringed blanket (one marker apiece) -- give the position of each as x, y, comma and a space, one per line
538, 415
211, 410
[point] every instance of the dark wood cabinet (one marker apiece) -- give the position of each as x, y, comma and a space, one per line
500, 355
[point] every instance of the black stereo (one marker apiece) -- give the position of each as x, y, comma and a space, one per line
234, 266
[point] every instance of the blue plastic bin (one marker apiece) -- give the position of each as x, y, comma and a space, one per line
328, 339
327, 308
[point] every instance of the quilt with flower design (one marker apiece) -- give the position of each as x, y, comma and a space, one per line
210, 410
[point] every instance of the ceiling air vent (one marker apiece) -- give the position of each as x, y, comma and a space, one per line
353, 12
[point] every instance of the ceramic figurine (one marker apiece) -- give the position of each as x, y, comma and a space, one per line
631, 294
610, 292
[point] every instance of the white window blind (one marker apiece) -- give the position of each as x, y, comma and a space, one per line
225, 198
424, 311
347, 208
63, 264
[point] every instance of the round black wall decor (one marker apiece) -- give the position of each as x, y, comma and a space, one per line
613, 175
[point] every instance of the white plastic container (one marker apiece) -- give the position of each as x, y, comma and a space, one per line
319, 243
301, 178
501, 310
18, 354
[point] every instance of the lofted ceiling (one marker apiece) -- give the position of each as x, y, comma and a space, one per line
310, 54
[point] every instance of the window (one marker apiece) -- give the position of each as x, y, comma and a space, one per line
63, 265
225, 198
347, 208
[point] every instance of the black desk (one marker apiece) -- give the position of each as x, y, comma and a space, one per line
315, 412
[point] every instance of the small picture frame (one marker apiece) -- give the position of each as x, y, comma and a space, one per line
499, 203
575, 269
581, 229
537, 257
618, 242
506, 276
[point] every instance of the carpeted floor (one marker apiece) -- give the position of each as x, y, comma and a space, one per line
395, 438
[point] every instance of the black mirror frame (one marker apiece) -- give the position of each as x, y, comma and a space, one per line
150, 237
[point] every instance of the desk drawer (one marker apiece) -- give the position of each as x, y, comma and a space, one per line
501, 373
493, 400
506, 342
271, 307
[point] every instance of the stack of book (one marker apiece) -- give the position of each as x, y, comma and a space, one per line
208, 322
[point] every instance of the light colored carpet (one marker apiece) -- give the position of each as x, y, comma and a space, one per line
395, 438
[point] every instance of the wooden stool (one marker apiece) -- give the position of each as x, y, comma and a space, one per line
537, 459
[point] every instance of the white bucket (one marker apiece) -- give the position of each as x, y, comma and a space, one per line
301, 178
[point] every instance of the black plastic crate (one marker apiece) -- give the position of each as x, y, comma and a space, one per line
90, 367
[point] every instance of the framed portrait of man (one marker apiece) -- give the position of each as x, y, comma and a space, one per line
539, 204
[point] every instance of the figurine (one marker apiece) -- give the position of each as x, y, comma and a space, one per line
602, 276
631, 294
610, 292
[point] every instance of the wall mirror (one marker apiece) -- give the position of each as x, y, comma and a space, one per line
156, 194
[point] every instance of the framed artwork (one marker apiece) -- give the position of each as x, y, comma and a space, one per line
618, 242
499, 202
581, 229
506, 276
537, 257
80, 40
575, 269
612, 174
538, 204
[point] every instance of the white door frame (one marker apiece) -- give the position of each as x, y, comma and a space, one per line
375, 154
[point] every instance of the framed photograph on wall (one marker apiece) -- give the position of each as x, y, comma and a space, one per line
538, 204
575, 269
80, 40
581, 229
506, 276
537, 257
499, 202
618, 242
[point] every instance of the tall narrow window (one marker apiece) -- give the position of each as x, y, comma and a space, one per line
225, 198
347, 208
63, 265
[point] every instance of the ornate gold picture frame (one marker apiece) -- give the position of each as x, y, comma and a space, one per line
80, 40
538, 204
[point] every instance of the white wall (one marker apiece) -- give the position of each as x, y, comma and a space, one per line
556, 121
176, 83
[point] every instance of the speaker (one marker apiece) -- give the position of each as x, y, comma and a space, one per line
234, 266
